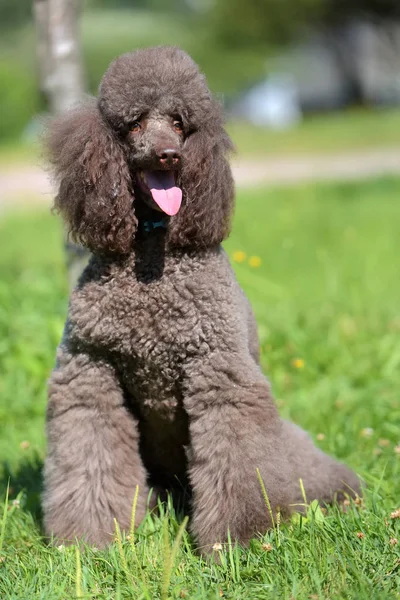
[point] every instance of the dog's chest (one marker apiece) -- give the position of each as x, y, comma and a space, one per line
154, 325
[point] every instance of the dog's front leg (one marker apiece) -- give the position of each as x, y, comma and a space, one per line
234, 430
93, 464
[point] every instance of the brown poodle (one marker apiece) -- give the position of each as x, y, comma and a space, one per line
157, 381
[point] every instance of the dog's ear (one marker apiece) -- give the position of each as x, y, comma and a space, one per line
207, 185
95, 196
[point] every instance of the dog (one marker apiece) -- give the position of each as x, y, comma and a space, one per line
157, 380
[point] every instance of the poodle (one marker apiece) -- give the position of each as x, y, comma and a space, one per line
157, 382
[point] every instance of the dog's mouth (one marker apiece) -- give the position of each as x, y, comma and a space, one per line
161, 187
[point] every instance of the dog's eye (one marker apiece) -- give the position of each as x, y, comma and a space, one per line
135, 127
178, 125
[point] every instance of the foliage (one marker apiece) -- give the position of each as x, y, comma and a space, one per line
155, 5
266, 22
19, 100
13, 14
338, 11
231, 45
262, 23
318, 264
105, 35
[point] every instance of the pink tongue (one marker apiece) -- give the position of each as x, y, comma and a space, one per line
164, 191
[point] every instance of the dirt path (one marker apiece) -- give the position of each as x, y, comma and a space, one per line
293, 169
27, 183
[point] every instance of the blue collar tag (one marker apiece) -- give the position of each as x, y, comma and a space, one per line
149, 226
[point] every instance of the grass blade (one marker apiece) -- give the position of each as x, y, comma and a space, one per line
121, 550
265, 495
170, 555
4, 518
133, 518
78, 575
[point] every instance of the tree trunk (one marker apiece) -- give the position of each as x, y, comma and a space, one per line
61, 78
58, 52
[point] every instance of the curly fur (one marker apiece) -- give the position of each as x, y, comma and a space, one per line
88, 152
157, 380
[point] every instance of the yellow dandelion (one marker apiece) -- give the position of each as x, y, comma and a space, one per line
320, 437
255, 261
24, 445
298, 363
239, 256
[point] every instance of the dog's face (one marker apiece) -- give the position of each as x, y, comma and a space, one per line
155, 143
153, 139
148, 99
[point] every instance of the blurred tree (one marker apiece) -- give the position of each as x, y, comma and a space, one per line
261, 23
61, 78
162, 5
339, 11
339, 18
58, 52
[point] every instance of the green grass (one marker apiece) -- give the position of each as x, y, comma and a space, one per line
16, 153
326, 295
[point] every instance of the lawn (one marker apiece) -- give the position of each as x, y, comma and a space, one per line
320, 265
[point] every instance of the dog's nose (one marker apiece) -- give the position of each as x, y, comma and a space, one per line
169, 157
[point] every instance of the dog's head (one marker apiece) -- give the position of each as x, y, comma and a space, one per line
153, 140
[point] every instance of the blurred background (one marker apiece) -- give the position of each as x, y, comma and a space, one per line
296, 77
311, 90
